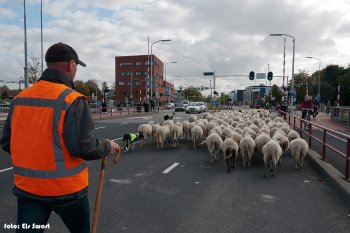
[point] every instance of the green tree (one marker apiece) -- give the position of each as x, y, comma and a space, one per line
92, 85
276, 93
4, 92
82, 88
192, 94
300, 80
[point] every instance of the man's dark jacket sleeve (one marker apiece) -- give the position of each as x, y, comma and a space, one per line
78, 126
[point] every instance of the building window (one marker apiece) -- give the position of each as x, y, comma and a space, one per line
121, 83
137, 83
138, 73
138, 63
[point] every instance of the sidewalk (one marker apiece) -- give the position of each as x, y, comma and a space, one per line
324, 119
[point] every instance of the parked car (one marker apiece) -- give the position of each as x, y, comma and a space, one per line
179, 107
185, 103
193, 107
169, 105
203, 106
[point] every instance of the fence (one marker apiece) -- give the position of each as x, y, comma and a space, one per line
114, 111
340, 115
341, 148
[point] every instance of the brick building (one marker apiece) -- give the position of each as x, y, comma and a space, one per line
131, 80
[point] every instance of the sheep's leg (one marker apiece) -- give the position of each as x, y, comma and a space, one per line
296, 164
228, 166
274, 170
233, 162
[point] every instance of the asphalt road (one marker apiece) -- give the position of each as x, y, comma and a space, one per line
195, 196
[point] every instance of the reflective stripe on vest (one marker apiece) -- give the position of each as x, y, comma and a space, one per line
58, 105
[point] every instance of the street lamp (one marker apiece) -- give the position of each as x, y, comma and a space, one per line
292, 89
152, 62
319, 77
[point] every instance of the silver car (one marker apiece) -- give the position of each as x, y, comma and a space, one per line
193, 107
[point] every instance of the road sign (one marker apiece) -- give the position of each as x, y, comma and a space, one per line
208, 73
260, 75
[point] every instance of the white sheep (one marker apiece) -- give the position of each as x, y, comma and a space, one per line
192, 118
175, 134
298, 148
162, 134
293, 135
146, 130
213, 142
229, 149
272, 153
282, 140
196, 135
260, 141
246, 147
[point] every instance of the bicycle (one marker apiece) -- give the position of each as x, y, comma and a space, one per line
308, 114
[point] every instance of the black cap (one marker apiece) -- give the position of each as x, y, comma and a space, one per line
62, 52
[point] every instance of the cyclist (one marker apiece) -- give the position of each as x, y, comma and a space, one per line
306, 105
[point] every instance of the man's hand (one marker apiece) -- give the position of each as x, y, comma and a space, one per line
114, 147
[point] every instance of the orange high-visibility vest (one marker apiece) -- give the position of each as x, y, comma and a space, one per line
42, 164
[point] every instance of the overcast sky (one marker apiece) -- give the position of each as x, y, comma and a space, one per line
225, 36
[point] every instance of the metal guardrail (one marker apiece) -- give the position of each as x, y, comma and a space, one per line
340, 115
110, 111
297, 123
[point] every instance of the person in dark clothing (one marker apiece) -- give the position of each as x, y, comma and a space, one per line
48, 135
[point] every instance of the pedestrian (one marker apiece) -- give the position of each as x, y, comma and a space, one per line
328, 106
48, 135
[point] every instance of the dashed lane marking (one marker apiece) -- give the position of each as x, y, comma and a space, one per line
170, 168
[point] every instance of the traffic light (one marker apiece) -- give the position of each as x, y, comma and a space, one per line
269, 75
251, 75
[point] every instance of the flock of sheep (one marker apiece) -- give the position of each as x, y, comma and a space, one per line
245, 132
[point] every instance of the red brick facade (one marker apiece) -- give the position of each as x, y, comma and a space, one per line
135, 68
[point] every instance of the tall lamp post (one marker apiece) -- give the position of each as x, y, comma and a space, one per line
319, 77
292, 89
152, 62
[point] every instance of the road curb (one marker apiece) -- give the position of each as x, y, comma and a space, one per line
332, 176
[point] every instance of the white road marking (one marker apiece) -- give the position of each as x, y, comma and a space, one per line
116, 139
102, 127
330, 134
124, 123
146, 117
170, 168
6, 169
121, 181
